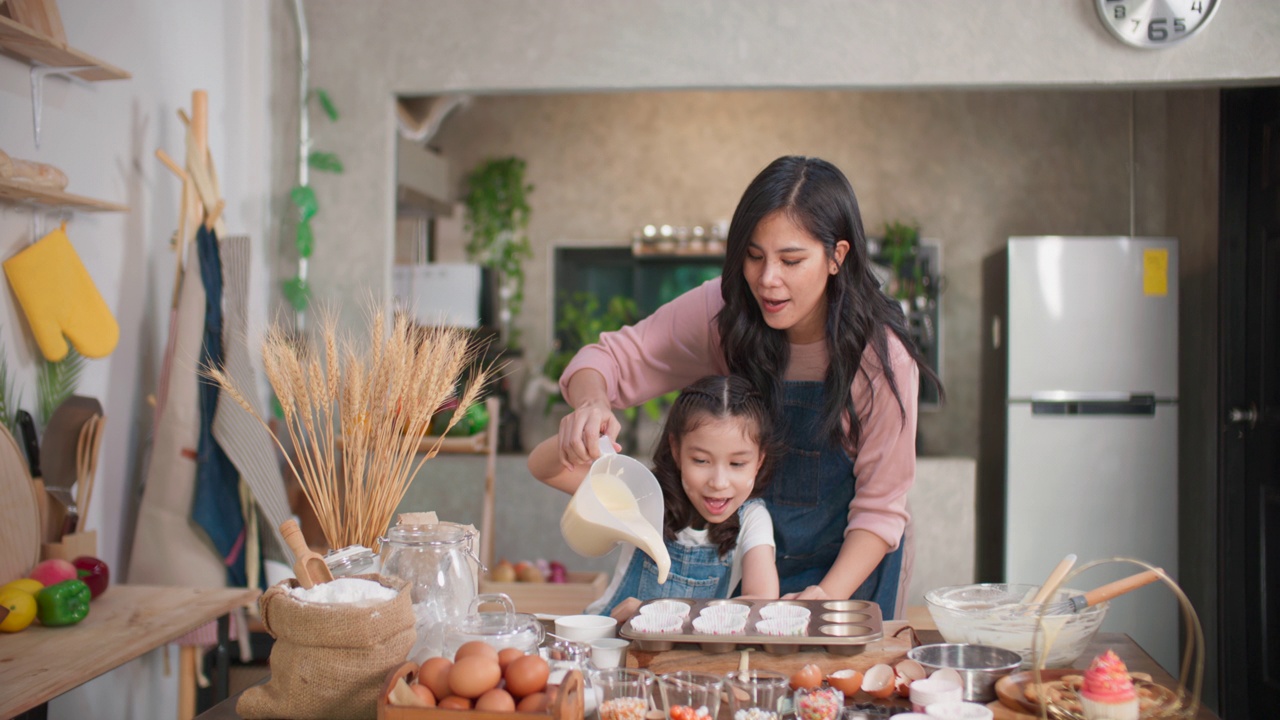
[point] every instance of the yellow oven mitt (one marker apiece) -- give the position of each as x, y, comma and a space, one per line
59, 298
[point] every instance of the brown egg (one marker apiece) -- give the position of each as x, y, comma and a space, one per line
425, 694
476, 647
434, 673
534, 703
453, 702
808, 677
496, 700
847, 681
527, 675
878, 681
472, 676
507, 655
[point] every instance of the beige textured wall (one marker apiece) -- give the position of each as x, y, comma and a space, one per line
972, 168
365, 53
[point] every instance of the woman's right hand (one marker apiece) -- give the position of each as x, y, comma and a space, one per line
581, 429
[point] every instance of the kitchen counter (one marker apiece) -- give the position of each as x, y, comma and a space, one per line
40, 663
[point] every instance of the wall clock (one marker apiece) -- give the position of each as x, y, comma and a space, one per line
1152, 24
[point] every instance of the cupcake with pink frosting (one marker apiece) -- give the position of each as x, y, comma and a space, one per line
1107, 692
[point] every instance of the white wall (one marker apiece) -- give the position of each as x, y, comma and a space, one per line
103, 136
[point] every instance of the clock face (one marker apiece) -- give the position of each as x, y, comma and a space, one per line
1151, 24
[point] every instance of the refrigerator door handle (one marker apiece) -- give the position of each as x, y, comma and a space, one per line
1093, 404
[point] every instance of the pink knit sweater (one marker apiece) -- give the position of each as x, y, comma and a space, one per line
680, 343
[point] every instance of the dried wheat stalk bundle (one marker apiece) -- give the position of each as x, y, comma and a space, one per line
372, 401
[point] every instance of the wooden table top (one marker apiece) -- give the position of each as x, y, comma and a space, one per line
40, 663
889, 650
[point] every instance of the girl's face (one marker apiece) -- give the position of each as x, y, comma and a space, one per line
718, 461
787, 269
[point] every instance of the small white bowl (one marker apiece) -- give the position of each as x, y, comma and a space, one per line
585, 628
609, 652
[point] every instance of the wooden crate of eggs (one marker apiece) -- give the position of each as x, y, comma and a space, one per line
480, 683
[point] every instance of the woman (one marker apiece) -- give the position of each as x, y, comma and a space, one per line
799, 312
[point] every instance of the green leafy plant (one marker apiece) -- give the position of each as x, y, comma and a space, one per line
296, 289
497, 218
901, 246
581, 322
10, 395
55, 382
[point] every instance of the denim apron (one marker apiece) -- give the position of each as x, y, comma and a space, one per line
809, 501
696, 572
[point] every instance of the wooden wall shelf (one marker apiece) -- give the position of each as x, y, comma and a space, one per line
19, 192
32, 46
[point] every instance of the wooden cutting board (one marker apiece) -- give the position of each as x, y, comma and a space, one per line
19, 512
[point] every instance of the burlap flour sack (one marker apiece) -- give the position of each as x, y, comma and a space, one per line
329, 661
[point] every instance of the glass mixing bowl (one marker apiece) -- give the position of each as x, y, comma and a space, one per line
997, 614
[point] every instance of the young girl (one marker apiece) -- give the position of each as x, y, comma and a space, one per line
712, 464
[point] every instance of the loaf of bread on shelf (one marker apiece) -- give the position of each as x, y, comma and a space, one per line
39, 174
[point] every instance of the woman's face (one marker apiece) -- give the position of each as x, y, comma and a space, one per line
718, 461
787, 269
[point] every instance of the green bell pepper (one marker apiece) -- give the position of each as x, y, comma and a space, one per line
65, 603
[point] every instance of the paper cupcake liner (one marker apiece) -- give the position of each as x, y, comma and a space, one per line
1123, 710
655, 623
726, 610
784, 610
666, 607
722, 625
782, 626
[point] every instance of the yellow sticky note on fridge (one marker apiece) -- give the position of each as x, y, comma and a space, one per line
1155, 272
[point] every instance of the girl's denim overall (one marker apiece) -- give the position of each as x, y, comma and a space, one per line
696, 572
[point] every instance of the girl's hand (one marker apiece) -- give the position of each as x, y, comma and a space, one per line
813, 592
581, 429
625, 610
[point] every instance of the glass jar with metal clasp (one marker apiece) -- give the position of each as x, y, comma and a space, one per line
440, 564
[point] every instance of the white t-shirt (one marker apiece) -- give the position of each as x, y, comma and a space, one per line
756, 529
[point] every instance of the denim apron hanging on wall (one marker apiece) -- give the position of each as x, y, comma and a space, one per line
696, 572
216, 507
809, 497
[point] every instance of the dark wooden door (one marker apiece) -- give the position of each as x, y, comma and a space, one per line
1249, 450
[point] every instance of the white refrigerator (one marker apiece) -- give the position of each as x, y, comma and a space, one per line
1083, 355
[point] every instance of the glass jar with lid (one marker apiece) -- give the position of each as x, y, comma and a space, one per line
352, 560
439, 563
505, 628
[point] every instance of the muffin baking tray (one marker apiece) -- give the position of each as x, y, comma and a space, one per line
841, 627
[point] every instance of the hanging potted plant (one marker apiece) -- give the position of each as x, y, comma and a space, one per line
497, 219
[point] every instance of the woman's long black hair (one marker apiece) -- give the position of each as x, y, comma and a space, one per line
818, 197
714, 397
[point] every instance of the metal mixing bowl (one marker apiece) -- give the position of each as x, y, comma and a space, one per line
995, 614
980, 666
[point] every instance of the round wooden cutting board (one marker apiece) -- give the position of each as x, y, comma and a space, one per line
19, 512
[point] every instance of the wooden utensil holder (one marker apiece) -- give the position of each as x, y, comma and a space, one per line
72, 546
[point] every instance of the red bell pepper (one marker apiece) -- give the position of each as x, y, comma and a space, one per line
94, 573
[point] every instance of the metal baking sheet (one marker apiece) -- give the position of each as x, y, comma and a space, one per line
841, 627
